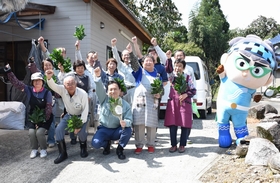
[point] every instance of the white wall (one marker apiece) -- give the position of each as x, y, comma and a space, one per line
60, 27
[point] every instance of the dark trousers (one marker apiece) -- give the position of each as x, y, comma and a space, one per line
185, 132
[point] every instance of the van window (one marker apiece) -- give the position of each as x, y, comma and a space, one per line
195, 67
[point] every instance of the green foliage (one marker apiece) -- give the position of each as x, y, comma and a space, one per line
209, 29
156, 87
158, 16
263, 27
57, 57
37, 116
121, 83
80, 32
74, 122
180, 84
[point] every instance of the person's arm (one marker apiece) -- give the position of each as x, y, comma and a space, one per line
55, 87
191, 91
133, 59
48, 105
91, 84
84, 101
100, 89
78, 55
44, 50
136, 47
194, 83
13, 79
116, 55
127, 114
159, 51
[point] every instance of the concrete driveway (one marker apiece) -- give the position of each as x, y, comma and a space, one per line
162, 166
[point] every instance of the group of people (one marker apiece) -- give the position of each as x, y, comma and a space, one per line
122, 109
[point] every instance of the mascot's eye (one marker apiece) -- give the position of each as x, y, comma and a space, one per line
257, 71
241, 64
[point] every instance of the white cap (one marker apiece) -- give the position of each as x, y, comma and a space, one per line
37, 75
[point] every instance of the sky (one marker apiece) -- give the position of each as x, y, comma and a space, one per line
239, 13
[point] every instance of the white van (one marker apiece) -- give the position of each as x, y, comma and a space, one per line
203, 88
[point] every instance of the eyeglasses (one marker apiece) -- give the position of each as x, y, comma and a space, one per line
256, 71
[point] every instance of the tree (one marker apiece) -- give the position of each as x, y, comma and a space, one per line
263, 27
158, 16
210, 30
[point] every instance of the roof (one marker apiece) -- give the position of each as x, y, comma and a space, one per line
32, 9
275, 40
119, 10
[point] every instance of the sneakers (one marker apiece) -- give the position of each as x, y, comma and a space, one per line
51, 145
189, 141
173, 149
138, 150
151, 149
33, 153
43, 153
181, 149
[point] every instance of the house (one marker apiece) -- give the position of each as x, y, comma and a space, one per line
56, 20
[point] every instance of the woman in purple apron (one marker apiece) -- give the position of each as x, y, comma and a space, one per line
179, 106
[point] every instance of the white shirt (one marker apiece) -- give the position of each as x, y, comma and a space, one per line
75, 105
126, 70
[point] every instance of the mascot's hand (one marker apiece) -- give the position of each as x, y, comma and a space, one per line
257, 98
220, 69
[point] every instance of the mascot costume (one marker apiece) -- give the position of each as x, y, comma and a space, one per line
248, 65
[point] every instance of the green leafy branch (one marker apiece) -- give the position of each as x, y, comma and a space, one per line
157, 87
180, 84
37, 116
57, 57
74, 122
121, 83
80, 32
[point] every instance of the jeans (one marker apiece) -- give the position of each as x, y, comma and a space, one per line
104, 134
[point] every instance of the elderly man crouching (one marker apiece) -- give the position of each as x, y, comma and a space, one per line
76, 103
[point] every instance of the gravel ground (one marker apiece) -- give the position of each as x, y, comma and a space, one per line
232, 168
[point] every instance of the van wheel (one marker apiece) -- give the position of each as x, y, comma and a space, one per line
209, 110
203, 114
161, 114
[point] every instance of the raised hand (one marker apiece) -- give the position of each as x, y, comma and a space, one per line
129, 48
168, 54
77, 45
97, 72
154, 41
134, 40
41, 40
113, 42
49, 73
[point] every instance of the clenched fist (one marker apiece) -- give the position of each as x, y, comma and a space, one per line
97, 72
220, 69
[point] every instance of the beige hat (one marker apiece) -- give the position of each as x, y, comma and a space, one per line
37, 75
